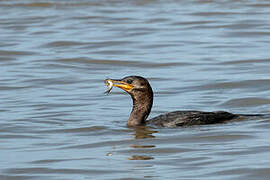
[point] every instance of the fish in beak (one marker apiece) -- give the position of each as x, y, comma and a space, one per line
110, 83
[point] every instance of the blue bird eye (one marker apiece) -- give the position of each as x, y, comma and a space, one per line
129, 81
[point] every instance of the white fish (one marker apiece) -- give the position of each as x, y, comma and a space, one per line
109, 84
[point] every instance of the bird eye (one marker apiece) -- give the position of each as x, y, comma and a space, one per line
129, 81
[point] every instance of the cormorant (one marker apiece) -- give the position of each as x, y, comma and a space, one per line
142, 95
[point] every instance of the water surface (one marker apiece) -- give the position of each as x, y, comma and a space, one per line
56, 123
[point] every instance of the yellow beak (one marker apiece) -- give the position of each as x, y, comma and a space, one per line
118, 83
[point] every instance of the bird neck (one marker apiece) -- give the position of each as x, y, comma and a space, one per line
142, 104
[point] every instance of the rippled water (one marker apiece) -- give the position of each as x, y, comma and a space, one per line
56, 123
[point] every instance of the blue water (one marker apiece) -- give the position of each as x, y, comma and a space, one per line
57, 123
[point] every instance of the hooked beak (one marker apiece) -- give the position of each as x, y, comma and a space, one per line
119, 83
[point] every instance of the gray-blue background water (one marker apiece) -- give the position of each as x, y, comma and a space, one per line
56, 123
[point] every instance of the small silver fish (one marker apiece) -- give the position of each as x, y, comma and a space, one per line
109, 84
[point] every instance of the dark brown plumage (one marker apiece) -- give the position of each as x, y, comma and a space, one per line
142, 96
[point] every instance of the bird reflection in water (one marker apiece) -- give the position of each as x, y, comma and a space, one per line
142, 132
136, 157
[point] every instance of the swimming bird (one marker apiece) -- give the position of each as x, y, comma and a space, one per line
142, 95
